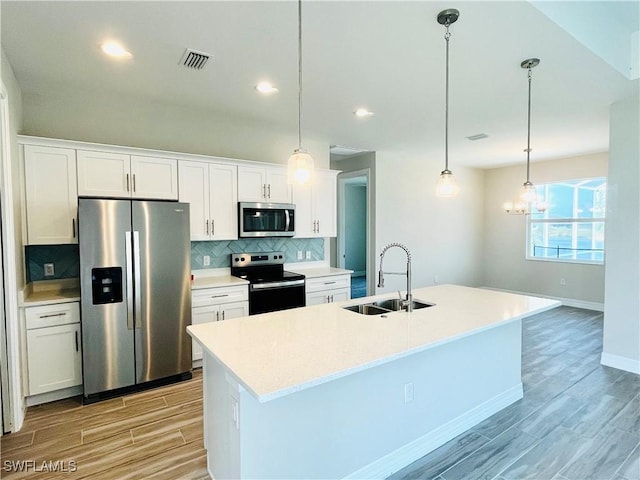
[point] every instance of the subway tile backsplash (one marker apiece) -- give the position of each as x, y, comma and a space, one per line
66, 259
219, 251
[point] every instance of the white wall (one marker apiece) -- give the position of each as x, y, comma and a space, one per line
138, 122
505, 266
444, 235
621, 342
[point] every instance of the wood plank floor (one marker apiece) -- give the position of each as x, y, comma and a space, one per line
578, 420
153, 434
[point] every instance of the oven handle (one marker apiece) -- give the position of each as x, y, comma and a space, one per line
287, 283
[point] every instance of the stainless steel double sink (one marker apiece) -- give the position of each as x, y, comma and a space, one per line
385, 306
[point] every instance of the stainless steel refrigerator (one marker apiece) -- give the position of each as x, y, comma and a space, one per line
135, 282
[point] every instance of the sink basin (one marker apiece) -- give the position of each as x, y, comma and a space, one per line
384, 306
367, 309
395, 304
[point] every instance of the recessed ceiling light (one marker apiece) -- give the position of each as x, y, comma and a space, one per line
114, 49
266, 88
363, 112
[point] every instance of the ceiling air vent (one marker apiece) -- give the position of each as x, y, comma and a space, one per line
194, 59
478, 136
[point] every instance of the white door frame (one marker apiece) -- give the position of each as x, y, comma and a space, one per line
340, 244
13, 403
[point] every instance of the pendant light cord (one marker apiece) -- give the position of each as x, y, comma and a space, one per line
529, 124
299, 74
447, 35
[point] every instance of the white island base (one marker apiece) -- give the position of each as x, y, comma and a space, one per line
370, 421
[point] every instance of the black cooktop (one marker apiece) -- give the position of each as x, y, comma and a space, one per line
261, 267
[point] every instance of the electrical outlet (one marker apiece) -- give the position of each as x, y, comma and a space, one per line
408, 392
206, 260
308, 254
563, 281
49, 270
299, 254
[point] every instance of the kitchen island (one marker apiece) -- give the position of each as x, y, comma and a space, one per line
323, 392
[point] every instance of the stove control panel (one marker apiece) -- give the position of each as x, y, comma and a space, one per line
256, 259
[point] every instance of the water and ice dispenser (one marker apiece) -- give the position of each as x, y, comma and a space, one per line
106, 284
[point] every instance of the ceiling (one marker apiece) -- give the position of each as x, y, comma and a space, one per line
385, 56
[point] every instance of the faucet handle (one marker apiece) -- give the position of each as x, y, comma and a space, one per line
399, 295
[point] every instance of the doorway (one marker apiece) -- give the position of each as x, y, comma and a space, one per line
354, 227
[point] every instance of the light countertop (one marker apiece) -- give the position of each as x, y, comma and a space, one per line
49, 292
275, 354
316, 272
217, 281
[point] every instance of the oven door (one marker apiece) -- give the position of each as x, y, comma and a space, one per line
274, 296
266, 219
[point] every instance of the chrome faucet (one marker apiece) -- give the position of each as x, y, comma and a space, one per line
407, 304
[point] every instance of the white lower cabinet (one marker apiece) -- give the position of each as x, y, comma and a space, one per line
217, 304
54, 350
330, 289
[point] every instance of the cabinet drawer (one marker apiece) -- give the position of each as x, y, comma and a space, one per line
219, 295
52, 315
328, 283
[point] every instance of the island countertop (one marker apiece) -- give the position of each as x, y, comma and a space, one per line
275, 354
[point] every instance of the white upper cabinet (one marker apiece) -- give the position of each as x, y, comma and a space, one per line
263, 184
154, 178
52, 200
316, 206
211, 191
104, 174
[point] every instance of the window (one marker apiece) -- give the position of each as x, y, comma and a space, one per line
572, 227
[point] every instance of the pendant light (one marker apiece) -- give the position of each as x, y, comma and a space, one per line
528, 195
447, 186
300, 162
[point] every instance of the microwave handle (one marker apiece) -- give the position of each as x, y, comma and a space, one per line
287, 221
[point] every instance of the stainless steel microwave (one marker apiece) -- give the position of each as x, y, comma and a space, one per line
266, 219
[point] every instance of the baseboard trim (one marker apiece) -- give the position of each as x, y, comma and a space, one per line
412, 451
53, 396
568, 302
621, 363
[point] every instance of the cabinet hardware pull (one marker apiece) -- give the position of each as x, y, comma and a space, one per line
220, 296
264, 190
222, 314
269, 196
127, 176
73, 227
318, 221
213, 227
331, 298
329, 283
134, 183
77, 348
207, 227
49, 315
217, 316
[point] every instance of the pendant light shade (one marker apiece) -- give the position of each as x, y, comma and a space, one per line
447, 185
300, 162
300, 167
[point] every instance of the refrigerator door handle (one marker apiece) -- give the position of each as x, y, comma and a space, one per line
129, 272
136, 273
